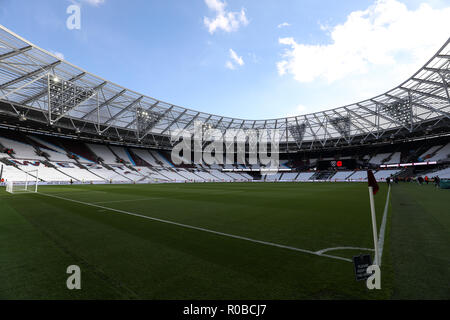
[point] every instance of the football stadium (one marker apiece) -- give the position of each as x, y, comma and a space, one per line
98, 178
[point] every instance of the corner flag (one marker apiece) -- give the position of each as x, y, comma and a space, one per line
373, 189
372, 182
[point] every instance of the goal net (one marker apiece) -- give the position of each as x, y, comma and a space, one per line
29, 183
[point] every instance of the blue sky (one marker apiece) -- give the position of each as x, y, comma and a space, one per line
242, 58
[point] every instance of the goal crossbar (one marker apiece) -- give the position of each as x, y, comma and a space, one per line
29, 183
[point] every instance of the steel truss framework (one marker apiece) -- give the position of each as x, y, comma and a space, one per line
37, 86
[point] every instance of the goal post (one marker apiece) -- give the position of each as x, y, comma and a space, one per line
29, 183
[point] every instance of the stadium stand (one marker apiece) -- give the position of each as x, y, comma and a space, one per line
21, 150
77, 173
122, 153
146, 156
117, 164
289, 176
103, 152
304, 176
273, 176
359, 176
160, 159
133, 146
341, 175
63, 160
440, 154
383, 174
429, 153
443, 174
379, 158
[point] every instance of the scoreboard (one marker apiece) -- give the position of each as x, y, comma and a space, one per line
346, 164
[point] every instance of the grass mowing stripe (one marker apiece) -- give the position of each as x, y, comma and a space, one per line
201, 229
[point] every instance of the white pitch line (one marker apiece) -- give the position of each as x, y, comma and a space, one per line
200, 229
128, 200
383, 226
343, 248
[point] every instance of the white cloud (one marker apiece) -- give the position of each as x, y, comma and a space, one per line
59, 55
284, 24
230, 65
298, 110
235, 61
236, 58
385, 35
95, 3
227, 21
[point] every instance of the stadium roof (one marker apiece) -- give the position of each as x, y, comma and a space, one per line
37, 86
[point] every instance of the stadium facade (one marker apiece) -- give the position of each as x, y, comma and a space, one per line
37, 86
42, 94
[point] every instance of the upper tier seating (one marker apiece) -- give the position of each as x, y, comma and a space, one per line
426, 155
395, 158
121, 153
79, 149
146, 156
161, 158
442, 154
54, 152
103, 152
378, 158
21, 150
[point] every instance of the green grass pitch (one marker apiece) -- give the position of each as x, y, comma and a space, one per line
125, 256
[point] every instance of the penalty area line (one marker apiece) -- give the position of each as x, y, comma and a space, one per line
272, 244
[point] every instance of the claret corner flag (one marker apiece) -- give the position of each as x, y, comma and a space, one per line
372, 182
373, 189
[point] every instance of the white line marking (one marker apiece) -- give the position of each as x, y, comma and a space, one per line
383, 226
128, 200
343, 248
200, 229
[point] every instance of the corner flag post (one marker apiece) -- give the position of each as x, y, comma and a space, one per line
37, 181
373, 189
